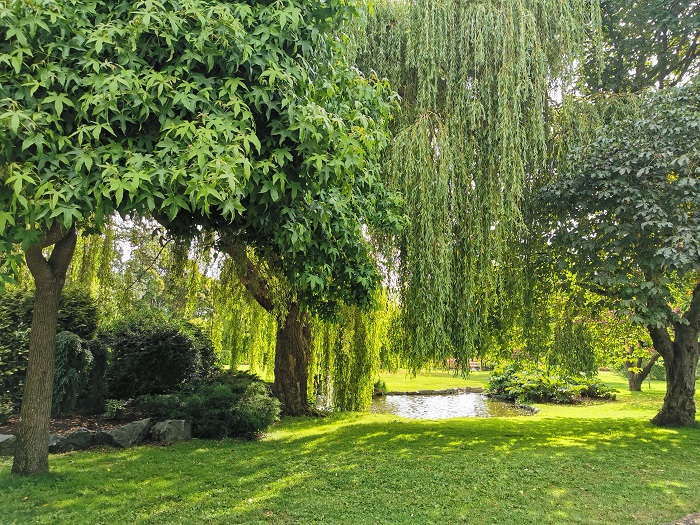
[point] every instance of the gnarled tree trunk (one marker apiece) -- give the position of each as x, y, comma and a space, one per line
32, 453
292, 362
293, 347
679, 403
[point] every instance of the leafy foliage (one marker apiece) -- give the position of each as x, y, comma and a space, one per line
94, 394
474, 78
514, 384
150, 354
644, 44
77, 314
73, 362
231, 404
628, 215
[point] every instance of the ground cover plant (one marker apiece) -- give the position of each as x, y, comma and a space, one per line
597, 463
512, 383
231, 403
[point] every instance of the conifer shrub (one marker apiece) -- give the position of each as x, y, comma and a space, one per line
78, 314
73, 363
228, 404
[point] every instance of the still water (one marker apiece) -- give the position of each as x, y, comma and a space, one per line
445, 406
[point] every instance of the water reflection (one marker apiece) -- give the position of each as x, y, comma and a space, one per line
445, 406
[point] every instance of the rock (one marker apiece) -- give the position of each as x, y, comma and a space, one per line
172, 430
81, 439
7, 445
124, 436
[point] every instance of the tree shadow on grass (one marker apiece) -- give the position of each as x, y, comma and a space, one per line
359, 469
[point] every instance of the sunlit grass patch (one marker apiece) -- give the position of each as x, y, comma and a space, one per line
600, 463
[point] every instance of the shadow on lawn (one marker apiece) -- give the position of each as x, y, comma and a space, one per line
352, 467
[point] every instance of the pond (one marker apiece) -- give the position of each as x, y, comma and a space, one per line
444, 406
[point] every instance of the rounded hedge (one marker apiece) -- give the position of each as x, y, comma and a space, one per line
151, 354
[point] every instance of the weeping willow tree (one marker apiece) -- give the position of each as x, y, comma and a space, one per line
474, 77
346, 354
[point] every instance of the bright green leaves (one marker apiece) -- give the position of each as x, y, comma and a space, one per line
239, 115
474, 79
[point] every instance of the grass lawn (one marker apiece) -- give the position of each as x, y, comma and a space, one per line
590, 464
402, 381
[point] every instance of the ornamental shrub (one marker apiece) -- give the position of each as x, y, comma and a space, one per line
151, 354
73, 362
230, 404
77, 314
514, 384
93, 398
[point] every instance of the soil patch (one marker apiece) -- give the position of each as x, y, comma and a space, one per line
72, 422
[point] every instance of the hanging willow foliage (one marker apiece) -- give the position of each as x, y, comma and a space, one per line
474, 78
346, 353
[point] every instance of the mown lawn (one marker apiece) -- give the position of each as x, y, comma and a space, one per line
592, 464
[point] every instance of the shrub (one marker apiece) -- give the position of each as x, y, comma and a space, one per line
6, 410
380, 388
78, 314
514, 384
93, 397
115, 408
151, 354
227, 405
73, 361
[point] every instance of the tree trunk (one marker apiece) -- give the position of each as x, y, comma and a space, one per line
32, 453
635, 379
292, 362
680, 362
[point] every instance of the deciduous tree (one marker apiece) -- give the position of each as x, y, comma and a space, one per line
629, 225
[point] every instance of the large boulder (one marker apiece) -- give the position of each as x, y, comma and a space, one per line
172, 430
8, 443
124, 436
81, 439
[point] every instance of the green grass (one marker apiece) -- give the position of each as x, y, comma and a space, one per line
589, 464
402, 381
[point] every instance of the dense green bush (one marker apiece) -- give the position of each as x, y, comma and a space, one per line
151, 354
514, 384
73, 363
229, 404
78, 314
93, 397
6, 410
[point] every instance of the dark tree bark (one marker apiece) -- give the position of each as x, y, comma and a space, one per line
293, 346
292, 362
635, 379
32, 453
680, 360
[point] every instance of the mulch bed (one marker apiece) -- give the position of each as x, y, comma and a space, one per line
67, 424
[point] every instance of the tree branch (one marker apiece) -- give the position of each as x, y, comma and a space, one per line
249, 275
654, 358
662, 342
693, 313
57, 265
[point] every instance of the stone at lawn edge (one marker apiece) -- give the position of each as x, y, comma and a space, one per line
172, 430
7, 445
81, 439
124, 436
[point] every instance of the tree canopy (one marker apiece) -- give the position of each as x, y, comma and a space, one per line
627, 221
474, 79
651, 43
239, 115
